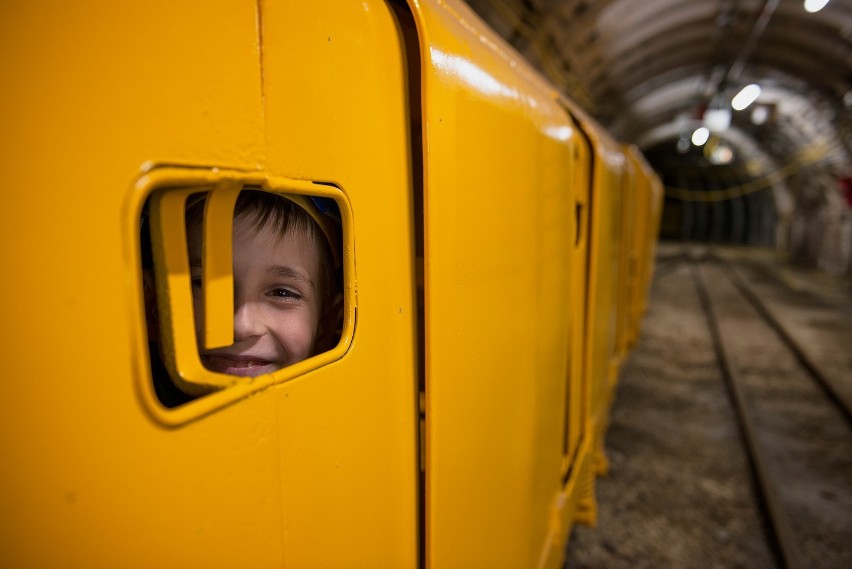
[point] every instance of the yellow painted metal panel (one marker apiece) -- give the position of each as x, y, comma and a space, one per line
499, 230
575, 501
97, 92
601, 351
628, 248
650, 191
218, 281
336, 111
638, 243
318, 471
602, 331
578, 405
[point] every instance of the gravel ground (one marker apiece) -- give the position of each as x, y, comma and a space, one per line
680, 492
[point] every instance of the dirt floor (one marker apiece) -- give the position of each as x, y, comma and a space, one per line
680, 492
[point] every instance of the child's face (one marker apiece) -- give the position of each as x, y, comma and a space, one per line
277, 299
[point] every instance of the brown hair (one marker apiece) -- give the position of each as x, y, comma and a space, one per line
262, 208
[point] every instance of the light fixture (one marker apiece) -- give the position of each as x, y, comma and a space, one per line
700, 136
745, 97
760, 114
717, 120
815, 5
722, 154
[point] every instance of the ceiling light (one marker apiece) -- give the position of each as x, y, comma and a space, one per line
722, 154
760, 114
745, 97
717, 120
700, 136
815, 5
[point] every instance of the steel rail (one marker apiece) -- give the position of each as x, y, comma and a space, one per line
668, 264
783, 536
789, 340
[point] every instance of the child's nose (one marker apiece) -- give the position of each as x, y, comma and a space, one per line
246, 320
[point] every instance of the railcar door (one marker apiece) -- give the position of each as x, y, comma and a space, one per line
499, 218
603, 356
111, 104
337, 112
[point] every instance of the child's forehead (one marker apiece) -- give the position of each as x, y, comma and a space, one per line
252, 224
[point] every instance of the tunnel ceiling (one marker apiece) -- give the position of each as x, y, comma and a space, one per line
649, 70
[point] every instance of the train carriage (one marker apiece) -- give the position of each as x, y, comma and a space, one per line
458, 418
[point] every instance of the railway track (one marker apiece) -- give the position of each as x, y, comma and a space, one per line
832, 393
795, 424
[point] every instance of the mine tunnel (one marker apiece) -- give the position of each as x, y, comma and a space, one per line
774, 173
744, 109
424, 284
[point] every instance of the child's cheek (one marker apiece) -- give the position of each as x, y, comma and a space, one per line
301, 335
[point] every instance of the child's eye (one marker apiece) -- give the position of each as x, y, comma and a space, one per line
285, 293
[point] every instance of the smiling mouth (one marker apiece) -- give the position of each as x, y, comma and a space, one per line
246, 366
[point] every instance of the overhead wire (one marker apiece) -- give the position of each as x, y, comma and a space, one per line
807, 158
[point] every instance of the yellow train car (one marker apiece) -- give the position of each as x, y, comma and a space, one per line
602, 347
648, 190
477, 232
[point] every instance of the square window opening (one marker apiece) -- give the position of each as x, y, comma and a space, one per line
240, 281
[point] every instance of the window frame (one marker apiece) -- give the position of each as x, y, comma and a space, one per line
166, 189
